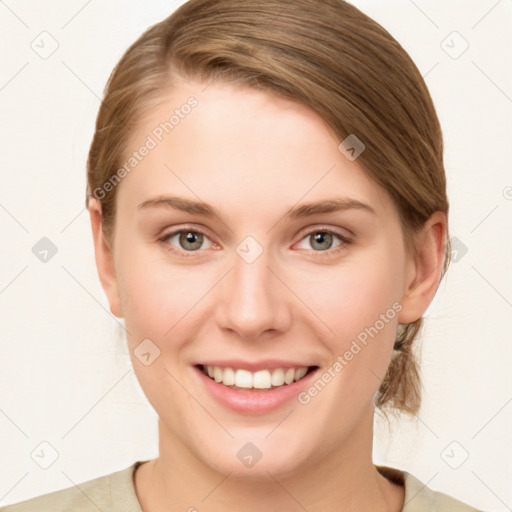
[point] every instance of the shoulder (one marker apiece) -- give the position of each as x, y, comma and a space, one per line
112, 492
419, 497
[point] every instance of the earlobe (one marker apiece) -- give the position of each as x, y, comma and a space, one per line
104, 259
425, 270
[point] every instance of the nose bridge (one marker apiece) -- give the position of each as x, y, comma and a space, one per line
252, 301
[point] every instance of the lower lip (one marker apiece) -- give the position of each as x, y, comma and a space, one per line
254, 401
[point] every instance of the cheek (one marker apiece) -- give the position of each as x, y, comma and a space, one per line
354, 295
361, 307
360, 303
159, 304
153, 289
157, 298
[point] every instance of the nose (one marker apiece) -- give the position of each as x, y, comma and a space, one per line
254, 303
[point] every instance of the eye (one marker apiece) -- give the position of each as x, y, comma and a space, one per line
186, 240
322, 240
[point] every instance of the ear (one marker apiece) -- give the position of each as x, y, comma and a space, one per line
104, 258
424, 269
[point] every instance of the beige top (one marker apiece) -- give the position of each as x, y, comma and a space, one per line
116, 493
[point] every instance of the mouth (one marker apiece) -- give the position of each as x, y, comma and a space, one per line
241, 379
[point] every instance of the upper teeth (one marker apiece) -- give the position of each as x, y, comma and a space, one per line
262, 379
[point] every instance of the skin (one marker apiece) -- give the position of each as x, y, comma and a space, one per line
252, 156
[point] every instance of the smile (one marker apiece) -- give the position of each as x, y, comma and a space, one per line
237, 378
254, 387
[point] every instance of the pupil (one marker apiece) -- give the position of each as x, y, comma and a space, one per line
320, 238
191, 238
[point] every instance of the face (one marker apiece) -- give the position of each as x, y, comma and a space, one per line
256, 281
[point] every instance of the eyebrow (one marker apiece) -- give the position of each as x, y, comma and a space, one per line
331, 205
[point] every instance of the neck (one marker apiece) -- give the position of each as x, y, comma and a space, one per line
346, 479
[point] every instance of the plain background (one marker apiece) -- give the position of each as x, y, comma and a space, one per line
66, 377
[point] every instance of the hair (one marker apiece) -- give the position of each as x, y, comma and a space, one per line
328, 56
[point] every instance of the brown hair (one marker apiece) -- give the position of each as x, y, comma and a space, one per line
325, 54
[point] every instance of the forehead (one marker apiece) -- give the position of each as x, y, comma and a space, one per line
237, 146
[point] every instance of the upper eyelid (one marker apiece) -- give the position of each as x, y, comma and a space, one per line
173, 232
327, 229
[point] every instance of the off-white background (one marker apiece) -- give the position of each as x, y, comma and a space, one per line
66, 378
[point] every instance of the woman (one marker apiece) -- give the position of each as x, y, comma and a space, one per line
268, 204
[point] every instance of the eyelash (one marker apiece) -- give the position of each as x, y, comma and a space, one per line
345, 241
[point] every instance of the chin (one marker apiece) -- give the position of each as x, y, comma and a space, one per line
256, 458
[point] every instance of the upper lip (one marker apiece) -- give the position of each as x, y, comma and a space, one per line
254, 366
